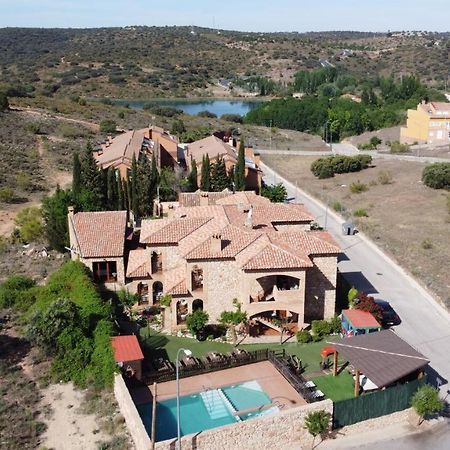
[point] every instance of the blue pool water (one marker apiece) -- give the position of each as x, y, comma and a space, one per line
205, 410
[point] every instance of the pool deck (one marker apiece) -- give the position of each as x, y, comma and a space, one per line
271, 381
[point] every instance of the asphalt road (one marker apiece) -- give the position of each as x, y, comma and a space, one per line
425, 324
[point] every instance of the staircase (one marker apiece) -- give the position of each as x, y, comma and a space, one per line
268, 323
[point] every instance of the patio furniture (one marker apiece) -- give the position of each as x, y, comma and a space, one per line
318, 394
309, 384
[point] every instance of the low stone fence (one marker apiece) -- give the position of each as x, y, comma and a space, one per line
128, 409
272, 432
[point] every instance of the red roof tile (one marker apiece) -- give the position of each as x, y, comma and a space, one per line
126, 348
360, 318
100, 234
138, 264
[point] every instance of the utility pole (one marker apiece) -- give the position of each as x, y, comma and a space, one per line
270, 123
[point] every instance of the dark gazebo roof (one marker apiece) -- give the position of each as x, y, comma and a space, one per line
382, 356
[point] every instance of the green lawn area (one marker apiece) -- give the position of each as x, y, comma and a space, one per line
161, 345
336, 388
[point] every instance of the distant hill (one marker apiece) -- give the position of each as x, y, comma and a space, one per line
188, 61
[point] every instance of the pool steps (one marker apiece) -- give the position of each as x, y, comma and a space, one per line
218, 405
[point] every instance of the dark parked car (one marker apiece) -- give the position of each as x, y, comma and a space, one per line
389, 316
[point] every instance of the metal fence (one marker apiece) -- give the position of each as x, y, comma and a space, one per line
376, 404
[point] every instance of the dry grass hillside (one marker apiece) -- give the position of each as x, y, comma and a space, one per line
407, 219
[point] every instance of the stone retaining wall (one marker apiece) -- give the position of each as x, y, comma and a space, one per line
266, 433
128, 409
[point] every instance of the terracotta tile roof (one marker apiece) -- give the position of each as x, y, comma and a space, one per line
281, 213
243, 198
149, 227
233, 241
138, 264
310, 242
175, 230
126, 348
382, 356
274, 257
211, 146
193, 198
100, 234
175, 281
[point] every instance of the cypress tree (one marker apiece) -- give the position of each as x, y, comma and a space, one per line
145, 189
193, 177
76, 176
219, 176
134, 188
120, 195
155, 178
239, 169
111, 193
127, 191
205, 181
92, 181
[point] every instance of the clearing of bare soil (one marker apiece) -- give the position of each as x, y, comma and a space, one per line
408, 220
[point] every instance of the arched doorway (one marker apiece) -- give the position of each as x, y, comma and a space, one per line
156, 262
197, 305
182, 312
157, 291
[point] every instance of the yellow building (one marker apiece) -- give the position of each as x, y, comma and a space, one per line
429, 123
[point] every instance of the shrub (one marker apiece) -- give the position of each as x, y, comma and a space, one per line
303, 336
335, 325
34, 127
426, 401
31, 226
385, 177
4, 104
108, 126
13, 289
375, 141
427, 244
6, 195
317, 423
396, 147
365, 303
236, 118
364, 160
437, 175
357, 187
320, 328
207, 114
276, 193
196, 321
337, 207
327, 167
361, 212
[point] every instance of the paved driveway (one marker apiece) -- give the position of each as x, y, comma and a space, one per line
425, 324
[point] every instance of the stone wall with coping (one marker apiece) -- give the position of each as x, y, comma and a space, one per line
278, 431
128, 409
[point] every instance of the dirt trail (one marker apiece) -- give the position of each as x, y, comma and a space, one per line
38, 112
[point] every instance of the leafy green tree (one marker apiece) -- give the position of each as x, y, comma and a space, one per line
276, 193
426, 402
193, 177
197, 321
178, 127
317, 423
219, 176
352, 294
76, 176
47, 325
168, 185
54, 213
205, 174
231, 319
108, 126
239, 169
31, 227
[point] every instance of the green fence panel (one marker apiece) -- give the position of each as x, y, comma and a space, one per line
376, 404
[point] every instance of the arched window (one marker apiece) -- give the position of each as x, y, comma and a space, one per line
197, 305
157, 291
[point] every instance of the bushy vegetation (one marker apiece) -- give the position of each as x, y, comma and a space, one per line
69, 322
426, 401
397, 147
357, 187
276, 193
437, 175
367, 303
303, 336
322, 328
327, 167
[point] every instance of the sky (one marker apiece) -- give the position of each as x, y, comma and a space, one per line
242, 15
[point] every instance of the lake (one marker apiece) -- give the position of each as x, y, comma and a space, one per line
218, 107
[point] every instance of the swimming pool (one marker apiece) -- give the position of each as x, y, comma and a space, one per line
208, 409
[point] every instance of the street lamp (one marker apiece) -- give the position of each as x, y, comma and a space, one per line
187, 352
328, 201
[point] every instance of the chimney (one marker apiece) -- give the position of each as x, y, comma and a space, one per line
249, 218
204, 199
70, 210
216, 244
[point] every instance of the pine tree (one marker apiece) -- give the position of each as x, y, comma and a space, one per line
111, 185
193, 177
205, 181
134, 188
239, 169
219, 176
76, 175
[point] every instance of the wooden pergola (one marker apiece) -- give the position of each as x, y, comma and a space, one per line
383, 357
